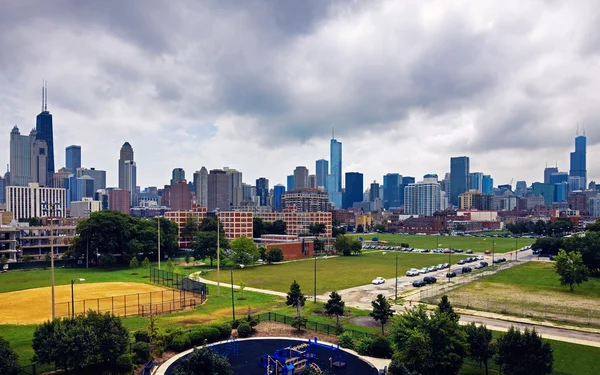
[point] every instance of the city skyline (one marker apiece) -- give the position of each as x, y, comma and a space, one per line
493, 100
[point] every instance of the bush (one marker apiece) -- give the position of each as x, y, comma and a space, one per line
133, 263
381, 348
364, 346
235, 324
244, 330
274, 254
346, 340
180, 342
396, 367
141, 336
141, 351
197, 337
224, 330
212, 334
124, 364
107, 260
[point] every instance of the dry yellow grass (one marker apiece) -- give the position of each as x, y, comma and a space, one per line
33, 306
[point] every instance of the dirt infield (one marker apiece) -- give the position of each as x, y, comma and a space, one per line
33, 306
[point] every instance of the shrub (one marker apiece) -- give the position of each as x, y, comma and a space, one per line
133, 263
180, 342
224, 330
141, 336
124, 364
244, 330
141, 351
364, 346
212, 334
346, 340
381, 348
197, 337
274, 254
107, 260
235, 324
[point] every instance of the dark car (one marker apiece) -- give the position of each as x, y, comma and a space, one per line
429, 279
469, 251
451, 274
462, 261
466, 269
418, 283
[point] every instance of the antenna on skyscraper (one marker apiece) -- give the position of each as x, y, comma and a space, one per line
42, 96
583, 129
577, 130
45, 96
333, 132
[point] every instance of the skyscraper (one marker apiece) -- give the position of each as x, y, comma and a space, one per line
201, 186
278, 191
391, 190
487, 184
98, 175
300, 177
578, 159
130, 178
336, 162
423, 197
262, 190
312, 181
476, 181
177, 175
548, 173
322, 168
374, 191
354, 189
406, 180
43, 127
20, 157
290, 182
235, 187
125, 154
73, 157
39, 162
218, 190
459, 177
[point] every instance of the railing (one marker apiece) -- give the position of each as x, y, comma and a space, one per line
178, 281
314, 326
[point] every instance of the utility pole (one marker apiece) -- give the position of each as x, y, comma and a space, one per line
158, 228
218, 255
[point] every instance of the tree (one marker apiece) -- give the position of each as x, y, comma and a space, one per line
257, 227
9, 360
347, 245
335, 306
262, 253
317, 228
480, 342
170, 265
274, 254
524, 353
382, 310
355, 246
146, 263
279, 227
243, 251
319, 245
360, 228
380, 228
243, 286
133, 263
589, 246
539, 228
205, 245
570, 268
190, 228
33, 221
548, 245
595, 227
446, 308
296, 298
203, 361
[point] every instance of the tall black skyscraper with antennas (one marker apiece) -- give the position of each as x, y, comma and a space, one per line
43, 128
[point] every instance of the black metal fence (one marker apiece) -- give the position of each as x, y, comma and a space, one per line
313, 326
179, 282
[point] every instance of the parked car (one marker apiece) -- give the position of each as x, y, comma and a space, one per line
423, 270
446, 265
462, 261
412, 272
487, 252
378, 280
469, 251
466, 269
479, 257
451, 274
429, 279
418, 283
431, 269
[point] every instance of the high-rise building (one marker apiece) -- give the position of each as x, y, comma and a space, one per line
548, 171
576, 183
392, 183
422, 198
2, 190
487, 184
119, 200
594, 206
262, 190
521, 189
248, 191
374, 191
474, 199
406, 180
334, 196
578, 159
475, 181
544, 190
201, 186
43, 127
20, 157
235, 187
335, 156
130, 178
177, 175
28, 201
61, 178
85, 207
180, 196
459, 177
306, 200
98, 175
312, 181
278, 191
561, 191
125, 154
558, 177
218, 190
322, 168
290, 182
73, 157
300, 177
39, 162
354, 189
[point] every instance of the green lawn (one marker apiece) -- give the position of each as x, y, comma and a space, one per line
334, 273
477, 244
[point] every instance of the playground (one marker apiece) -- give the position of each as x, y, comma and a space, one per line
279, 356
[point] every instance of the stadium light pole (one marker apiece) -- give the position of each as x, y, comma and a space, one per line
73, 296
315, 286
516, 248
50, 208
232, 299
158, 230
218, 255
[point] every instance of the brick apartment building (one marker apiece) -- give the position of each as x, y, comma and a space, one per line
181, 217
236, 224
298, 222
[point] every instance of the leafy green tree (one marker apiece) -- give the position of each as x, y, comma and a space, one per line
257, 227
243, 251
342, 245
360, 228
146, 263
445, 307
133, 263
480, 343
107, 260
524, 353
33, 221
170, 265
9, 360
397, 367
274, 254
382, 310
589, 246
380, 228
570, 268
548, 245
190, 228
243, 286
279, 227
335, 306
355, 246
205, 245
317, 228
203, 361
262, 252
595, 227
319, 244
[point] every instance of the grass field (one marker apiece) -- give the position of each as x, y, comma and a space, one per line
334, 273
532, 289
477, 244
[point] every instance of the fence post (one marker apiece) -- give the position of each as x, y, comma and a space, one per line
125, 304
113, 305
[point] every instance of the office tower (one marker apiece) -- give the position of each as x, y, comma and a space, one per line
98, 175
306, 200
43, 127
312, 181
61, 178
430, 176
459, 176
487, 184
406, 180
262, 191
235, 187
2, 190
218, 190
278, 191
354, 189
27, 201
576, 183
422, 198
336, 162
126, 153
177, 175
119, 200
130, 178
473, 199
20, 157
201, 186
521, 189
290, 182
545, 190
578, 159
558, 177
392, 183
374, 191
300, 177
476, 181
548, 171
334, 196
39, 162
594, 206
73, 157
445, 184
561, 191
322, 168
247, 192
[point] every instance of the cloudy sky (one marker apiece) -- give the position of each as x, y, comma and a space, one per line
257, 85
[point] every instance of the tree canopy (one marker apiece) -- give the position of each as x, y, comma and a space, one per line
480, 344
243, 251
203, 361
9, 360
335, 305
205, 243
347, 245
260, 227
274, 254
570, 268
524, 353
382, 310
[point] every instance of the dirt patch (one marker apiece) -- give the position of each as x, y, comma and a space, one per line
272, 329
365, 321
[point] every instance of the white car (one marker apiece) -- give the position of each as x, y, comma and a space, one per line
479, 257
412, 272
423, 270
378, 280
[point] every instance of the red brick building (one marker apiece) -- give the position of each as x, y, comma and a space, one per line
119, 200
236, 224
177, 196
294, 250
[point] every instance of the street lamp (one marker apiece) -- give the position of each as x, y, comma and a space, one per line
158, 244
396, 280
51, 208
232, 299
218, 255
493, 247
516, 248
73, 296
315, 286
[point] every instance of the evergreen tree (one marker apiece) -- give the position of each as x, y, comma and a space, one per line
445, 307
524, 353
480, 342
382, 310
9, 360
335, 306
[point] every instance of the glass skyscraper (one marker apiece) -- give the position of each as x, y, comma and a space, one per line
354, 189
336, 162
392, 184
278, 191
487, 184
290, 182
262, 190
73, 158
578, 159
459, 177
322, 168
43, 128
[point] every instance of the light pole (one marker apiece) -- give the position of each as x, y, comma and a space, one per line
493, 248
516, 248
315, 286
232, 299
51, 208
73, 296
158, 229
218, 256
396, 281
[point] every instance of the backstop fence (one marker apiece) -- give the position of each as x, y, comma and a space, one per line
180, 282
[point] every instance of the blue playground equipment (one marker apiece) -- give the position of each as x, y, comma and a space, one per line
231, 347
292, 359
